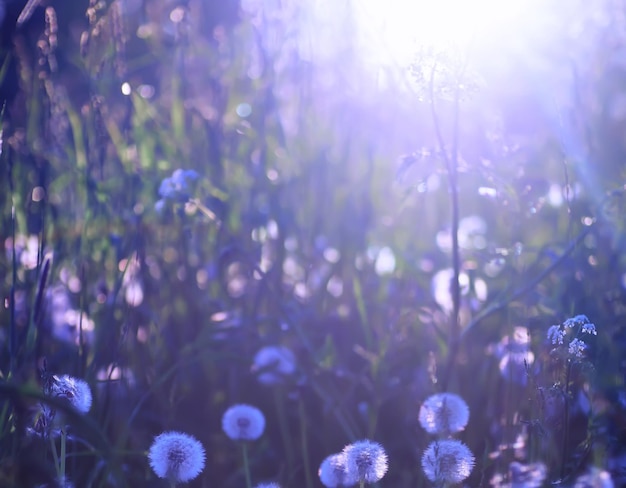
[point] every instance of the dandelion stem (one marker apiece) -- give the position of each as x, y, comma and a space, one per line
246, 465
451, 161
303, 438
284, 428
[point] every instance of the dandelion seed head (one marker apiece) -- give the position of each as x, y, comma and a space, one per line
75, 390
274, 364
333, 471
365, 461
176, 456
444, 413
243, 422
447, 461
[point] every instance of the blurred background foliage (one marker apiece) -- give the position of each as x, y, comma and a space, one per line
320, 221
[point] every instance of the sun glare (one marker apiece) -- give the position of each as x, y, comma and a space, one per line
401, 26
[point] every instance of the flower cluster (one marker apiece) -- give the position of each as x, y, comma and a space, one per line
578, 326
361, 462
177, 188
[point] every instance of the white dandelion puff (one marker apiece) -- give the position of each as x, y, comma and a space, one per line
243, 423
176, 456
366, 461
274, 364
75, 390
447, 461
444, 413
333, 472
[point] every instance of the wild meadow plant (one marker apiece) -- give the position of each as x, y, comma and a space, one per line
51, 425
197, 209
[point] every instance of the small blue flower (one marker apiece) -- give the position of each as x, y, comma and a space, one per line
178, 186
447, 461
177, 456
576, 320
366, 461
556, 334
243, 423
274, 364
333, 472
589, 329
75, 390
577, 348
444, 413
159, 206
267, 485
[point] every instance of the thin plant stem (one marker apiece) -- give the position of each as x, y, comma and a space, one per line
55, 455
522, 290
13, 327
565, 440
451, 161
284, 428
304, 441
246, 465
